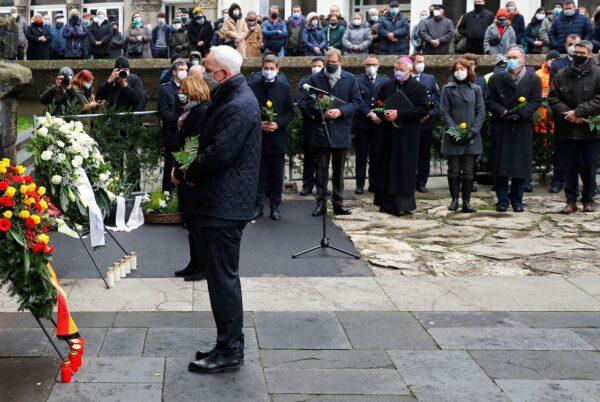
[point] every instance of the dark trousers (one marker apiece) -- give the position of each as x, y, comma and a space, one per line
167, 185
218, 249
54, 55
270, 179
513, 197
364, 147
558, 164
580, 160
337, 156
423, 167
461, 166
21, 52
475, 46
309, 166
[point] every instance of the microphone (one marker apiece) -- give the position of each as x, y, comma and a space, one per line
309, 88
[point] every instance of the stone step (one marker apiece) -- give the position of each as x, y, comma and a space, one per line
23, 138
24, 158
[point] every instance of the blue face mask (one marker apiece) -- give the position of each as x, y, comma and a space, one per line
557, 11
184, 19
394, 11
399, 75
86, 22
47, 23
87, 85
512, 64
296, 15
269, 74
161, 21
375, 18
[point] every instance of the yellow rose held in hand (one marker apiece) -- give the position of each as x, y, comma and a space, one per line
43, 238
7, 214
24, 214
522, 99
42, 190
20, 169
269, 104
10, 191
463, 125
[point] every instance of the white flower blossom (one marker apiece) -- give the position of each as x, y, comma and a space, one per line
60, 143
60, 158
46, 155
43, 131
56, 179
103, 177
162, 204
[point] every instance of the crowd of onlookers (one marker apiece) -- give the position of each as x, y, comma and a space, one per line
383, 30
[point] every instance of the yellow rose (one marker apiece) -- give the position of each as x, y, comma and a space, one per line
29, 201
24, 189
42, 190
7, 214
36, 219
31, 187
463, 125
269, 104
24, 214
20, 169
2, 170
10, 191
43, 204
522, 99
6, 161
43, 238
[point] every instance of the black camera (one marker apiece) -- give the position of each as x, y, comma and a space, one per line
65, 80
123, 74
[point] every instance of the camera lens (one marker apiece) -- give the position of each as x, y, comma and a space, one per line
122, 74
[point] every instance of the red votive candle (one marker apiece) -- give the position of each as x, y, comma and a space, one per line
77, 348
75, 361
65, 371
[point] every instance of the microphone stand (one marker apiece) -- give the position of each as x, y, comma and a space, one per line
324, 243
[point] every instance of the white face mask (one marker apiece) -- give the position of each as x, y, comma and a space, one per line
510, 9
357, 22
316, 69
419, 67
540, 16
571, 50
437, 13
181, 75
176, 27
371, 71
460, 75
14, 15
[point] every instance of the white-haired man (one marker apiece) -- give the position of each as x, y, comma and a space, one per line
223, 181
22, 24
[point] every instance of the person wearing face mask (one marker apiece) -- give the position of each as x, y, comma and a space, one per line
138, 37
159, 45
357, 38
295, 25
277, 93
274, 32
557, 9
596, 37
38, 38
58, 42
334, 32
393, 30
254, 39
234, 30
426, 134
334, 10
500, 36
313, 37
398, 141
123, 90
309, 126
83, 81
63, 96
473, 26
574, 97
101, 34
462, 102
21, 28
367, 124
437, 32
535, 44
76, 34
373, 22
415, 34
517, 21
194, 100
571, 21
117, 41
512, 98
169, 109
342, 85
200, 32
178, 39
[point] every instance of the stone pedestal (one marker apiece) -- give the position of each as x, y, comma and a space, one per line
13, 79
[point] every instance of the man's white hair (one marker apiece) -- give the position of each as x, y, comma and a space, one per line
373, 11
196, 70
227, 57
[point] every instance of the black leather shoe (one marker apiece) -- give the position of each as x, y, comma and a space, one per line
318, 211
275, 215
195, 277
518, 208
555, 188
402, 213
305, 191
185, 272
216, 363
359, 191
339, 210
201, 354
258, 213
501, 208
422, 189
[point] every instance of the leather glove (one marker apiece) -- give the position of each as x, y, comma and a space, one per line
515, 117
494, 41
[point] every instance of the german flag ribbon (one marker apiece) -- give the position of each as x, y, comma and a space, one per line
65, 326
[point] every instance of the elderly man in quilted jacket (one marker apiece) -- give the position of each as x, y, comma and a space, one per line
223, 181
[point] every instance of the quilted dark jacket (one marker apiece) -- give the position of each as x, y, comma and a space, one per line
563, 26
224, 176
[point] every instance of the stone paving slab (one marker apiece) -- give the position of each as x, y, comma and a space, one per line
127, 369
27, 379
335, 381
99, 392
471, 319
442, 375
589, 283
533, 365
559, 319
545, 390
123, 342
326, 359
17, 320
172, 319
592, 387
384, 330
340, 398
300, 330
97, 319
94, 339
591, 336
22, 342
508, 339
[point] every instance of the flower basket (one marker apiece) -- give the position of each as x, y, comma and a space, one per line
158, 218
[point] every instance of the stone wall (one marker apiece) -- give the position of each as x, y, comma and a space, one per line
44, 72
13, 79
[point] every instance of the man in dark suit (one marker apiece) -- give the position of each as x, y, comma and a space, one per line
433, 94
366, 122
338, 120
273, 96
169, 108
309, 126
223, 181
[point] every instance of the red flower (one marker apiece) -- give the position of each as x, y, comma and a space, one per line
321, 95
18, 179
6, 202
28, 179
39, 248
4, 185
379, 103
38, 207
30, 223
49, 250
4, 225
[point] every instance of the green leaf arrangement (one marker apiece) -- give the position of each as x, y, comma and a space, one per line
188, 154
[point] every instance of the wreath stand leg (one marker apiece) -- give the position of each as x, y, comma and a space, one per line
89, 253
54, 345
116, 241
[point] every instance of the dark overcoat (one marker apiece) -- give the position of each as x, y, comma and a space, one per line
169, 109
512, 141
37, 50
369, 92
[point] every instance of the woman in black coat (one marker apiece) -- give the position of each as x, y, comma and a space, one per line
200, 32
38, 39
194, 97
532, 38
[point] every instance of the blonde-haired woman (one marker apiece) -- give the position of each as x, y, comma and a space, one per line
234, 29
194, 96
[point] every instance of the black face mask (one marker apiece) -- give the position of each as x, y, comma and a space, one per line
478, 7
274, 15
579, 60
331, 68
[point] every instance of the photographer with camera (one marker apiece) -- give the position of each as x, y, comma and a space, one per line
123, 90
62, 97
